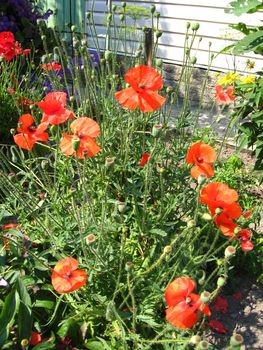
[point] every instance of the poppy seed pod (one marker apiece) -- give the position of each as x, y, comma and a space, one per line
230, 251
207, 217
236, 340
75, 143
91, 238
156, 130
167, 249
221, 281
195, 26
203, 345
121, 206
109, 163
195, 339
193, 60
205, 296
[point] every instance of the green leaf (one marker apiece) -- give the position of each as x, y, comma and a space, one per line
7, 315
25, 311
46, 304
148, 320
158, 232
71, 329
240, 7
45, 346
95, 345
251, 42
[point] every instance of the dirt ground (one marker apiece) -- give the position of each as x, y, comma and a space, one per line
244, 316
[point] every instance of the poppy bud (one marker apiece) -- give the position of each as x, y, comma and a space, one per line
156, 130
169, 89
114, 8
44, 164
201, 179
123, 4
12, 131
159, 63
121, 206
236, 340
122, 18
152, 8
73, 29
91, 238
72, 98
195, 26
83, 329
207, 217
218, 211
205, 296
195, 339
144, 29
109, 163
88, 14
221, 281
230, 251
75, 143
84, 42
43, 37
107, 55
129, 266
158, 34
167, 249
188, 24
193, 60
203, 345
109, 17
158, 14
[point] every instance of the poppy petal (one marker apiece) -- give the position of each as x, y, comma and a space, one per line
246, 246
66, 145
178, 319
177, 290
89, 145
150, 101
26, 120
145, 76
24, 141
128, 98
85, 126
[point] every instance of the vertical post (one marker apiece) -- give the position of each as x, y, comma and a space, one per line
148, 46
109, 3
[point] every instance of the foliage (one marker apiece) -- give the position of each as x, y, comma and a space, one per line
116, 197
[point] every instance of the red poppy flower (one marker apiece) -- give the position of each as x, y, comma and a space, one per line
35, 338
9, 48
183, 304
28, 134
65, 276
26, 51
244, 236
202, 155
219, 196
220, 304
144, 159
84, 132
53, 106
51, 66
144, 81
9, 226
217, 326
225, 96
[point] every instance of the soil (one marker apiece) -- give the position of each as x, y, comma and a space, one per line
244, 316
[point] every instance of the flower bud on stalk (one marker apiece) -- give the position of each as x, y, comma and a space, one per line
195, 26
109, 18
158, 14
114, 8
193, 60
122, 18
158, 34
88, 14
188, 25
73, 29
24, 343
44, 164
169, 90
75, 143
153, 8
123, 4
230, 251
201, 179
107, 55
159, 63
221, 281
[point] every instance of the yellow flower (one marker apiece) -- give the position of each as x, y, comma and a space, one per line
228, 79
250, 79
250, 64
